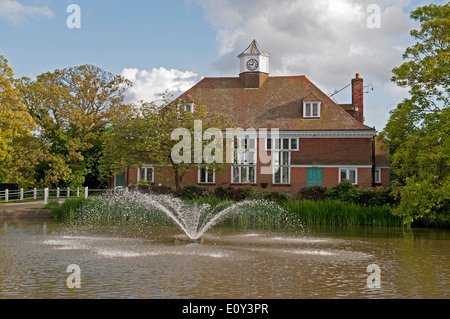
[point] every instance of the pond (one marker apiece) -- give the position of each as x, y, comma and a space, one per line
158, 262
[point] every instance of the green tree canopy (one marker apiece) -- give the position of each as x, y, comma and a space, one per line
418, 129
72, 107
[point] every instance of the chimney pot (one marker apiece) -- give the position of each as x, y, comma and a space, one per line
357, 75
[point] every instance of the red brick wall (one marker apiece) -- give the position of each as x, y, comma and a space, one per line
333, 151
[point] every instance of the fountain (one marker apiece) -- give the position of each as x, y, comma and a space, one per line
192, 218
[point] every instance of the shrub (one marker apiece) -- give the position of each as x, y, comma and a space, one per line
345, 191
315, 192
375, 197
154, 189
193, 192
224, 192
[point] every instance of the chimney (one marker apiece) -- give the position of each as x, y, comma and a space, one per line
358, 98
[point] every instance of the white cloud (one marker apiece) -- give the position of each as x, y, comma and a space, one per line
17, 13
148, 85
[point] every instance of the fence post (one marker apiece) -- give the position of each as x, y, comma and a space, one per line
6, 195
21, 194
86, 190
35, 193
78, 192
57, 192
68, 192
45, 196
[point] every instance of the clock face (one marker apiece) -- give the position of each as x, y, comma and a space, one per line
252, 64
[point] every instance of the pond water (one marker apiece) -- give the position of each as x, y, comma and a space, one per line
158, 262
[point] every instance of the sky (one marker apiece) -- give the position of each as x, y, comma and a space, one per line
171, 45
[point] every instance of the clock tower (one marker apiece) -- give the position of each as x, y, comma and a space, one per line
254, 66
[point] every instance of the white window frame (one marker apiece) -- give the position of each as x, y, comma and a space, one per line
190, 106
242, 163
145, 168
347, 174
277, 167
278, 144
207, 174
310, 105
378, 180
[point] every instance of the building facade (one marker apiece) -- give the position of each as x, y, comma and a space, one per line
319, 142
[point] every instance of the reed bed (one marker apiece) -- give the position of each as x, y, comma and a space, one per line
335, 212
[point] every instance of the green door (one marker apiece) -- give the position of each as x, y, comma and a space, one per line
120, 180
314, 176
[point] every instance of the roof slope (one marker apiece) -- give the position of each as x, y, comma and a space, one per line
277, 104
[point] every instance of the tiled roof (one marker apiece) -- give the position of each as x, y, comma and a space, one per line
278, 103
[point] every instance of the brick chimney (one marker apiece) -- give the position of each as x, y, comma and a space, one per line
358, 98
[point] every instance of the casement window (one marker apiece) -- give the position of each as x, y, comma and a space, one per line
243, 170
378, 176
285, 144
146, 173
188, 107
311, 109
206, 176
281, 167
348, 173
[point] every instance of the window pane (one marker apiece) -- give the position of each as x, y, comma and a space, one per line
276, 158
202, 175
308, 109
377, 176
210, 177
293, 143
251, 174
315, 109
269, 144
251, 143
236, 174
352, 176
343, 174
285, 143
285, 158
251, 157
142, 174
285, 175
244, 176
149, 174
277, 175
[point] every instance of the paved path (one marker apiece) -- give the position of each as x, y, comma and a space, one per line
39, 203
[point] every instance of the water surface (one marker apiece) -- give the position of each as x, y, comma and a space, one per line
158, 262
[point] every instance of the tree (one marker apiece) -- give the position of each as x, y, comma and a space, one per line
418, 129
147, 135
16, 123
72, 107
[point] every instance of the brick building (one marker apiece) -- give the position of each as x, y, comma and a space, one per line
319, 142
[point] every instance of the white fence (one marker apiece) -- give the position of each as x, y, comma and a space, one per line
8, 196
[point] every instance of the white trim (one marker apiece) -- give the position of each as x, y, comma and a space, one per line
254, 133
347, 170
280, 167
199, 176
377, 181
312, 103
377, 167
333, 166
145, 167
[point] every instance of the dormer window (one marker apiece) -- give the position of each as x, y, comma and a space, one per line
189, 107
311, 109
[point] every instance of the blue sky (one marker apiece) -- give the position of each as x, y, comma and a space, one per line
173, 44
